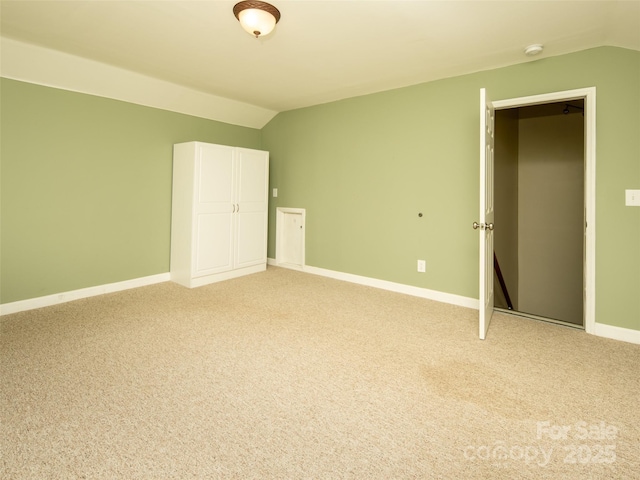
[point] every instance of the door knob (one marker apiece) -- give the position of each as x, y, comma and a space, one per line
482, 226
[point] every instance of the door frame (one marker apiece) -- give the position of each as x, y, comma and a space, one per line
589, 96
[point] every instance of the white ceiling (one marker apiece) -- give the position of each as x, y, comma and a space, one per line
321, 50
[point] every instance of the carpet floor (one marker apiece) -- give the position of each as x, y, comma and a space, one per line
288, 375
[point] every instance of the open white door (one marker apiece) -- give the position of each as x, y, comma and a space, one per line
487, 121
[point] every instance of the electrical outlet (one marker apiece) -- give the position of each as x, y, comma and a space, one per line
275, 192
422, 266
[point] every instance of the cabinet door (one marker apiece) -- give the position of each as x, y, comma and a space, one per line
252, 184
213, 214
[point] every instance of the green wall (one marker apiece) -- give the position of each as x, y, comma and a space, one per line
366, 166
86, 181
86, 187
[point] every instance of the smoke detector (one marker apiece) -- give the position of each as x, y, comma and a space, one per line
532, 50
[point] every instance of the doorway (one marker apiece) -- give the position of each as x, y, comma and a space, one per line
487, 112
540, 207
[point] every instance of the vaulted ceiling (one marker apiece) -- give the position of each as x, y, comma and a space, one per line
320, 51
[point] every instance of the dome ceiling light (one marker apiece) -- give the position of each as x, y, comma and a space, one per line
257, 18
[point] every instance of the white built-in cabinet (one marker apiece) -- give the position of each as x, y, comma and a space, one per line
219, 212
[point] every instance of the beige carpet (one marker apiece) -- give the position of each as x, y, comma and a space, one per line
287, 375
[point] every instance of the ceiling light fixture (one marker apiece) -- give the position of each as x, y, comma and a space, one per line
532, 50
257, 18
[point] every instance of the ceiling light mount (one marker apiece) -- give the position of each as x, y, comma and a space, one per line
257, 18
533, 50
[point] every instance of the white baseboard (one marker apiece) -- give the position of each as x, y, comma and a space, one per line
617, 333
386, 285
63, 297
290, 266
219, 277
600, 330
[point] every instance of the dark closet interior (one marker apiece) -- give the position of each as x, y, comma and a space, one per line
539, 210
